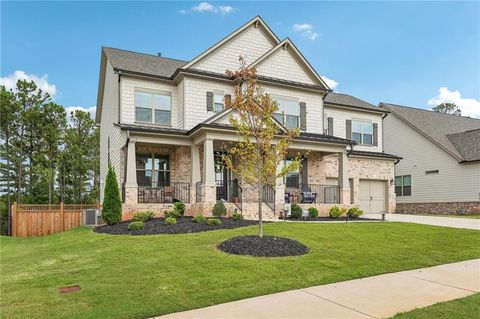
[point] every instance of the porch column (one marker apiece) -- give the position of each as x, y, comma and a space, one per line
195, 172
280, 190
343, 178
208, 177
131, 186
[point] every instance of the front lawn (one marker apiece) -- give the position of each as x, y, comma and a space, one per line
123, 276
463, 308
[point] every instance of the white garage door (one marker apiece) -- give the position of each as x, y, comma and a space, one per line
372, 196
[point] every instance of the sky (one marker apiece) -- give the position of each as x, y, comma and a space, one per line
410, 53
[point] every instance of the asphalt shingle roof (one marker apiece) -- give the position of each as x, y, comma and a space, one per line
348, 100
458, 134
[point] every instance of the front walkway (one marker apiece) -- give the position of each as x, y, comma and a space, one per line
372, 297
455, 222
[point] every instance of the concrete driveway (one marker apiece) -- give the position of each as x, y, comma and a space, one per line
455, 222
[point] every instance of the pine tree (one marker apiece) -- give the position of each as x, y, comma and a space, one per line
112, 205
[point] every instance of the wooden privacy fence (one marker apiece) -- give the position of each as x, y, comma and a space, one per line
40, 220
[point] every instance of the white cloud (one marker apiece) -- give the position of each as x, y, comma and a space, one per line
306, 29
90, 110
10, 82
331, 83
203, 7
470, 107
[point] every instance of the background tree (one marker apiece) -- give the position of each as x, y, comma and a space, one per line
448, 108
261, 148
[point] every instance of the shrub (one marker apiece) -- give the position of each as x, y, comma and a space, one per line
179, 207
143, 216
219, 210
136, 225
170, 220
296, 211
237, 216
214, 221
354, 212
336, 212
112, 205
313, 212
172, 213
199, 219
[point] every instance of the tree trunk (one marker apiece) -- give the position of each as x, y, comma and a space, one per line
260, 206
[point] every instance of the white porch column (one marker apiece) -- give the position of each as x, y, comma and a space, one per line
131, 177
208, 171
195, 172
343, 178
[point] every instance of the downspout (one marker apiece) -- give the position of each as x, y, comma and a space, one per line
118, 96
125, 166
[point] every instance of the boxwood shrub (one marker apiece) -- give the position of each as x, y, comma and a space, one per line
296, 212
170, 221
179, 207
313, 212
237, 216
354, 212
336, 212
142, 216
172, 213
219, 210
199, 219
136, 225
214, 221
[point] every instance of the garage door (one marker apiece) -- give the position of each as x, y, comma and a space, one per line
372, 196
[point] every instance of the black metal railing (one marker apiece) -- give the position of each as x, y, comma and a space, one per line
269, 196
313, 193
198, 192
221, 190
175, 191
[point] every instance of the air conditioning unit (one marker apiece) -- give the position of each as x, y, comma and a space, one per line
91, 217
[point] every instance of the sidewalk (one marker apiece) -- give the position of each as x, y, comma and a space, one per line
372, 297
455, 222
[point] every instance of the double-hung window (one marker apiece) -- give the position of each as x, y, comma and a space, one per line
362, 132
292, 180
155, 108
218, 102
153, 170
288, 112
403, 185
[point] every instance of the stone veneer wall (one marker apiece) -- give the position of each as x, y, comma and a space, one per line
439, 208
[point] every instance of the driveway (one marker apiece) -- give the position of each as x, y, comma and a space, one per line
455, 222
372, 297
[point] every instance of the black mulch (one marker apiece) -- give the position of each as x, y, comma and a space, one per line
184, 225
329, 219
267, 246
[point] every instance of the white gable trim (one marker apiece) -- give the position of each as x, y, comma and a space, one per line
288, 44
213, 119
258, 21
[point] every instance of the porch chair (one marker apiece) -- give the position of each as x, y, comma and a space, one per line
307, 196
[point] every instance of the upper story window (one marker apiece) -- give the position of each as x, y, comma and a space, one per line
362, 132
403, 185
325, 124
288, 112
153, 108
218, 102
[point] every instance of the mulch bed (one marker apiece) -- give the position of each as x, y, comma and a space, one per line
266, 246
329, 219
184, 225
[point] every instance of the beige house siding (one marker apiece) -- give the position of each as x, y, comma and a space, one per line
251, 43
454, 183
282, 65
108, 131
340, 116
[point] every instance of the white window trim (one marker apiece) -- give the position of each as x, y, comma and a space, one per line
157, 92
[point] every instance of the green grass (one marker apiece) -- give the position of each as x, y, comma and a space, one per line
463, 308
143, 276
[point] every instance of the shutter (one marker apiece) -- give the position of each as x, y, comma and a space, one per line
348, 125
209, 101
228, 98
303, 116
375, 134
330, 126
304, 171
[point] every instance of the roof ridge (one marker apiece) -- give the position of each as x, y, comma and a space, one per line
431, 111
142, 53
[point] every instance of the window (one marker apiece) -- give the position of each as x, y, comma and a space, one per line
325, 124
288, 112
403, 185
292, 180
217, 102
153, 170
153, 108
362, 132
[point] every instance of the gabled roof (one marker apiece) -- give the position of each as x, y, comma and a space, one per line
457, 135
287, 43
339, 99
142, 63
257, 20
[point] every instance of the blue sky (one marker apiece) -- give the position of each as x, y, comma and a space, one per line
411, 53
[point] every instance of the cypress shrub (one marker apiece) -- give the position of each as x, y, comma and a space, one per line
112, 205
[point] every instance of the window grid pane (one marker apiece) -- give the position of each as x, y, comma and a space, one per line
162, 117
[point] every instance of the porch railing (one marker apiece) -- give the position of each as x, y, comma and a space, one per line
175, 191
269, 196
313, 193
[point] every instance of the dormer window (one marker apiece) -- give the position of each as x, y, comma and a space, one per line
154, 108
288, 112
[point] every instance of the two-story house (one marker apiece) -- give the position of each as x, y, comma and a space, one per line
163, 127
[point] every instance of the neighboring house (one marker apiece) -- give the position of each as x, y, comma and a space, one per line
440, 169
163, 127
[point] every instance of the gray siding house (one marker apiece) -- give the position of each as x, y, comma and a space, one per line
440, 169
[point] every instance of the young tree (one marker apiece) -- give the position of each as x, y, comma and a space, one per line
112, 205
261, 147
448, 108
